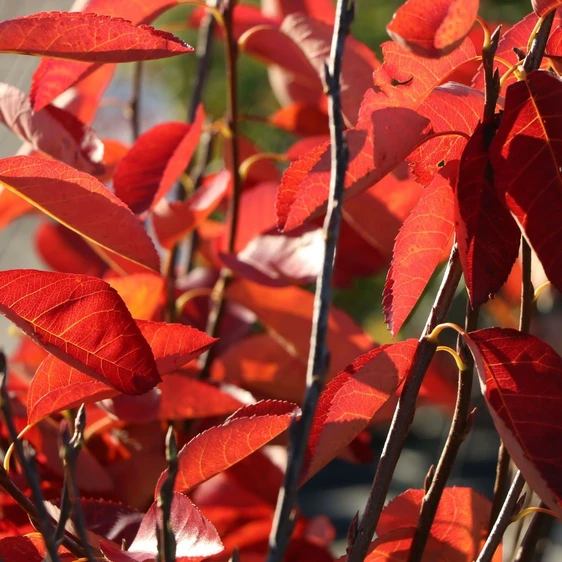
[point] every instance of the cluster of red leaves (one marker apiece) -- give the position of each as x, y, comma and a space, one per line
95, 326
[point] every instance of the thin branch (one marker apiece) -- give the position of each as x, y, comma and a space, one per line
70, 449
166, 538
203, 54
503, 520
43, 518
134, 104
501, 483
218, 297
460, 426
404, 413
536, 52
318, 360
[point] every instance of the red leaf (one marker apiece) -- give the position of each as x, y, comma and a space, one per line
322, 10
174, 220
65, 251
554, 48
142, 293
82, 321
196, 537
461, 520
53, 76
351, 400
12, 207
433, 28
87, 37
313, 37
418, 76
30, 548
377, 145
174, 345
221, 446
530, 134
378, 213
487, 235
451, 107
302, 119
418, 250
155, 162
521, 379
288, 313
542, 7
53, 131
55, 188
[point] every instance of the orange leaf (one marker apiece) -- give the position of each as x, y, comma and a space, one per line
351, 400
87, 37
142, 293
221, 446
155, 162
460, 524
418, 250
82, 321
172, 220
288, 313
55, 188
433, 28
521, 379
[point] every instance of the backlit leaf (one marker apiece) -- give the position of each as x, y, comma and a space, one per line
155, 162
542, 7
196, 537
221, 446
81, 203
352, 398
460, 524
521, 379
433, 28
486, 233
82, 321
527, 151
288, 313
142, 293
52, 131
418, 250
86, 37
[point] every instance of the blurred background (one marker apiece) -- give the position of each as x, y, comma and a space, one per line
341, 489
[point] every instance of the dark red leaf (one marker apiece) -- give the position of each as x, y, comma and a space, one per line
527, 152
486, 233
521, 379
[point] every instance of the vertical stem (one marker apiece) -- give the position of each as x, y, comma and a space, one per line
134, 104
203, 53
460, 426
503, 520
501, 483
318, 359
538, 528
218, 296
404, 414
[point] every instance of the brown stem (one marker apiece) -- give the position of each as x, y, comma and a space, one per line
318, 359
460, 426
501, 485
404, 413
